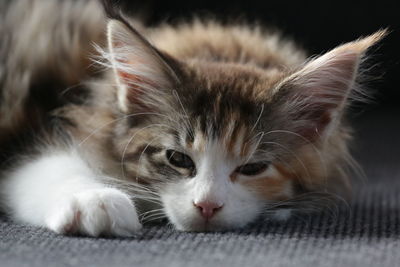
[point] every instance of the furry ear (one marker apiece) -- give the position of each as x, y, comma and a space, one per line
142, 72
316, 94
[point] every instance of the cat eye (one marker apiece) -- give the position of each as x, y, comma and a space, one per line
179, 159
252, 168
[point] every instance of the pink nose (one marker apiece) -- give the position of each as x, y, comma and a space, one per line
208, 209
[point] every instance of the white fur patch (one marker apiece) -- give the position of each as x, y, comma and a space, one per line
59, 191
94, 212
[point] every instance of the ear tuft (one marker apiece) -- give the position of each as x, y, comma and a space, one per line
363, 44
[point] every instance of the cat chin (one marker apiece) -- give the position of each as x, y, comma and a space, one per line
216, 225
193, 222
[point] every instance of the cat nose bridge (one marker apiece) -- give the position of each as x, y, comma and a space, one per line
216, 174
208, 192
210, 185
209, 196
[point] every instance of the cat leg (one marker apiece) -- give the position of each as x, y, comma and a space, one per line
60, 191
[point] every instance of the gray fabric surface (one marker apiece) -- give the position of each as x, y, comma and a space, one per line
368, 234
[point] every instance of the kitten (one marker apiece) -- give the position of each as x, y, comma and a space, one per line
210, 126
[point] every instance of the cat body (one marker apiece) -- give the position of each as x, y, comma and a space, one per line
208, 125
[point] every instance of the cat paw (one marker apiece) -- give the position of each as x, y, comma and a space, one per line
96, 212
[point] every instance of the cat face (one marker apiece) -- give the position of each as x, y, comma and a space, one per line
222, 143
219, 194
220, 157
208, 158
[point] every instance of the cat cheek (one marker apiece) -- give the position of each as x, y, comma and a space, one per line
273, 185
269, 188
177, 204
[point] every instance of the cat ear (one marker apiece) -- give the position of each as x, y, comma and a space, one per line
316, 94
141, 71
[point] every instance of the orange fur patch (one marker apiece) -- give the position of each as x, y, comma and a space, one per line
273, 186
269, 187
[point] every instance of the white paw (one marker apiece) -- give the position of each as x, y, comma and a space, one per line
95, 212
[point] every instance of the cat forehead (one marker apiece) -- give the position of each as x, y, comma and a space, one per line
233, 142
246, 80
225, 101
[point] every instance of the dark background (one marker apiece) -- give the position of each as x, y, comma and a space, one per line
316, 25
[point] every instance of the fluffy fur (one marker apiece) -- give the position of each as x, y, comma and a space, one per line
208, 125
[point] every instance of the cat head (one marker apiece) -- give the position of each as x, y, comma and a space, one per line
222, 143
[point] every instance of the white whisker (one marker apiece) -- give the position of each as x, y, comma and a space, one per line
258, 118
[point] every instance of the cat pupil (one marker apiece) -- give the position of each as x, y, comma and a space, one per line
252, 168
179, 159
